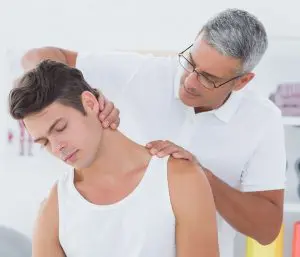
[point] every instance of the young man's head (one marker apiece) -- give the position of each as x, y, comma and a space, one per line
223, 56
60, 111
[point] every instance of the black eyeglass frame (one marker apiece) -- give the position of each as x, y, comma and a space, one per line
181, 55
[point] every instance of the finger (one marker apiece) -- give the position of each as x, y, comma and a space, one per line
108, 107
116, 124
188, 156
150, 144
101, 100
156, 142
168, 147
168, 150
181, 155
159, 146
111, 118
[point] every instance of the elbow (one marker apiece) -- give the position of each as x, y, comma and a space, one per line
268, 236
266, 240
35, 55
268, 230
31, 58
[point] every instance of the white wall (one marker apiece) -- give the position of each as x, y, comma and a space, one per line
118, 24
130, 24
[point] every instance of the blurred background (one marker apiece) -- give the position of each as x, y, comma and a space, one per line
158, 26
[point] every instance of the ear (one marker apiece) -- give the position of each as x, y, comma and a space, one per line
90, 102
243, 81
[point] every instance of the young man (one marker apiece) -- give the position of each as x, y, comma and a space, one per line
118, 200
201, 103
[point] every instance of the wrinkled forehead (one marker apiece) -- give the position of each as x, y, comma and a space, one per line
208, 59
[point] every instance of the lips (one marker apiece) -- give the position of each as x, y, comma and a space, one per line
69, 156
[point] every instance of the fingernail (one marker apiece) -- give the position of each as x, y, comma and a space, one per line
160, 154
153, 151
113, 126
148, 145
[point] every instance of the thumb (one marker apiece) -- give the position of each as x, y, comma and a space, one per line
101, 100
177, 155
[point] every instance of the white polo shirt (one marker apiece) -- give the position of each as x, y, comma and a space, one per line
242, 142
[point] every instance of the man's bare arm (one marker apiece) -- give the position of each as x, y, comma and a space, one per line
194, 209
45, 241
34, 56
256, 214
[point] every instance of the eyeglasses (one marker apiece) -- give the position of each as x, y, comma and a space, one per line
203, 80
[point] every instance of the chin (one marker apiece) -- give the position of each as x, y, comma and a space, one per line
188, 101
85, 163
80, 166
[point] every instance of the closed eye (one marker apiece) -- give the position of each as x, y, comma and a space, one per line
44, 144
61, 129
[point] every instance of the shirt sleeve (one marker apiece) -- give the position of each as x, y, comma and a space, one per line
266, 170
109, 72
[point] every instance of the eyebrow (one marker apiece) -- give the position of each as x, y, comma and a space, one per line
203, 72
49, 130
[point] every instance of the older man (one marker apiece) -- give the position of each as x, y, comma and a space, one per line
204, 106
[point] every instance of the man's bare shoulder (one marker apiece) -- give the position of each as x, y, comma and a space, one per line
188, 186
186, 172
49, 206
45, 239
193, 206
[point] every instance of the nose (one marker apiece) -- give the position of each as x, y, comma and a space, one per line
191, 82
58, 147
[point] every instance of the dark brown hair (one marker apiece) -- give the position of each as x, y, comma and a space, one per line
49, 82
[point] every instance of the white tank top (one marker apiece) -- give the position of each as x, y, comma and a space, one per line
140, 225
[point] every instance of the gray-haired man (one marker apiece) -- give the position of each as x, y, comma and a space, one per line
201, 104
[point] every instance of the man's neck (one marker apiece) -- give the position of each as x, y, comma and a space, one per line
210, 108
117, 154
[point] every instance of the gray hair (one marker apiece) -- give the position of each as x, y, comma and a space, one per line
238, 34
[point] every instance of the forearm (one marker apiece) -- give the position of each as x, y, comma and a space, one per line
249, 214
34, 56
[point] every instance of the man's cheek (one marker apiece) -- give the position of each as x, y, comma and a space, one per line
183, 77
